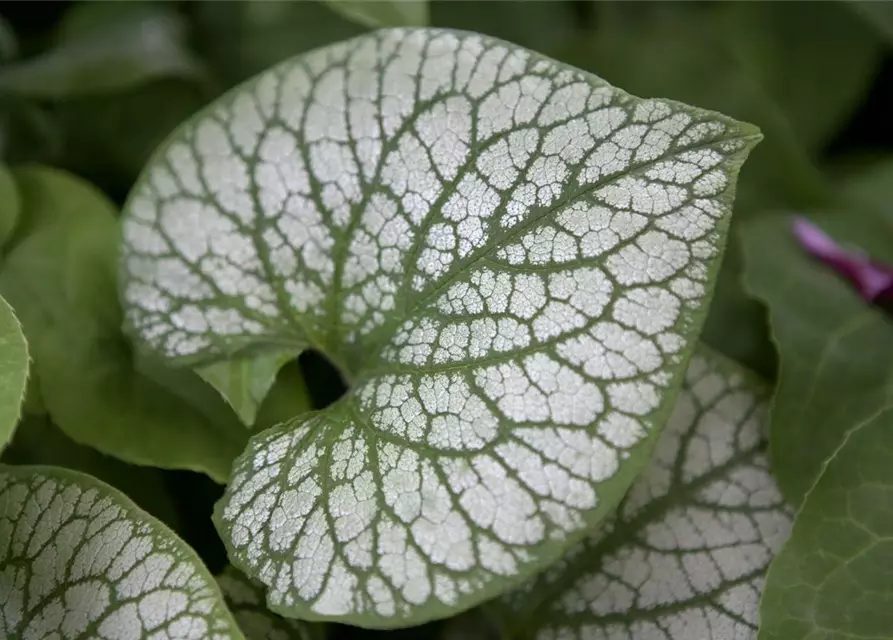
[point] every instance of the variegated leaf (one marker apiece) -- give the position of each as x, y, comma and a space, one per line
508, 260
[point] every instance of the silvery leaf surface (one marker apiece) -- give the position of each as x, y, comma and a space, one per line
686, 555
79, 561
508, 260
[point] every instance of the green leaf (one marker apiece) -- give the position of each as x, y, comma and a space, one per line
106, 46
60, 278
835, 349
79, 560
245, 381
246, 601
13, 371
832, 578
38, 441
10, 205
241, 38
506, 258
378, 13
687, 552
878, 14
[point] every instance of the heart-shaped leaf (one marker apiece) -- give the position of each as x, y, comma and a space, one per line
246, 601
13, 371
508, 260
78, 560
685, 557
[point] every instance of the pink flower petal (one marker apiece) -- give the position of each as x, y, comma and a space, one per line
873, 280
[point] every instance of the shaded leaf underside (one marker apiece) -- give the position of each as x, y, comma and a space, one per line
508, 258
78, 560
686, 555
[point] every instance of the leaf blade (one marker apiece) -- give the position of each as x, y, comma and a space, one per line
829, 578
833, 347
459, 293
686, 554
92, 529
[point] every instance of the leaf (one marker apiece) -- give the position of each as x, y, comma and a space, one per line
38, 441
245, 381
388, 13
246, 601
834, 348
106, 46
832, 578
686, 555
878, 14
10, 205
60, 277
512, 302
79, 560
13, 371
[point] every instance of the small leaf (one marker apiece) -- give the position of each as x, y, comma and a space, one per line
78, 560
383, 13
506, 258
245, 381
835, 349
106, 46
60, 277
13, 371
686, 554
10, 205
832, 578
246, 601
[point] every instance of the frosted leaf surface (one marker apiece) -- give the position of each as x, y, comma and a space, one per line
78, 560
508, 258
686, 556
246, 601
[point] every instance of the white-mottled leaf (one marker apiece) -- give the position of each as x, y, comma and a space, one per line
79, 561
508, 260
686, 555
245, 381
246, 601
13, 371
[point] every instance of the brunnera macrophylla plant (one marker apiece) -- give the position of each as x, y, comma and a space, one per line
507, 259
684, 555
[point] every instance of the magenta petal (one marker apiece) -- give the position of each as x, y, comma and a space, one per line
872, 279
